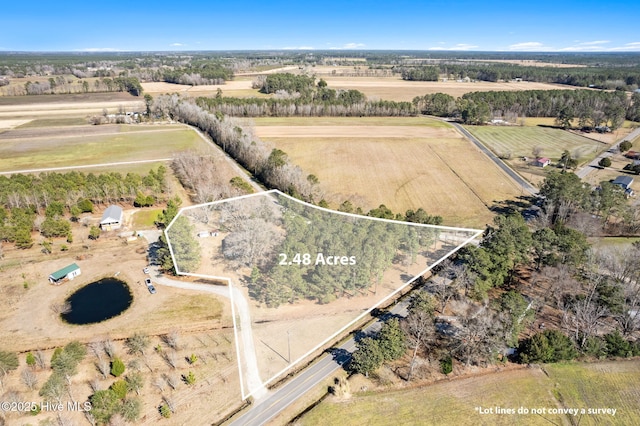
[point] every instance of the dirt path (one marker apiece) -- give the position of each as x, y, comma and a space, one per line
255, 386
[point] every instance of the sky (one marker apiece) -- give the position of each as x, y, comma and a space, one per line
189, 25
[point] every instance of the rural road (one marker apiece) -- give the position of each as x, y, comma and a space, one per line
593, 165
266, 409
515, 176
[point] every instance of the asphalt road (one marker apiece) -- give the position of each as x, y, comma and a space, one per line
526, 186
593, 165
266, 409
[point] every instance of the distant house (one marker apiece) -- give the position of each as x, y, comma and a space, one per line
111, 218
65, 274
624, 182
541, 162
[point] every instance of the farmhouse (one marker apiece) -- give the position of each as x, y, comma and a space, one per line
111, 218
65, 274
541, 162
623, 181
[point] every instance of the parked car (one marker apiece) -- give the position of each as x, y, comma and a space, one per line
146, 270
152, 289
147, 281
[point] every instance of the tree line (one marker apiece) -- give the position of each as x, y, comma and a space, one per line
610, 77
44, 202
300, 95
591, 108
594, 291
270, 165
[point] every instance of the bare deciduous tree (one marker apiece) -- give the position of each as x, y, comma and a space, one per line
29, 378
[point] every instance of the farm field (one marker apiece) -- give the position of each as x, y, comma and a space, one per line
240, 88
388, 88
418, 163
34, 148
598, 385
396, 89
519, 142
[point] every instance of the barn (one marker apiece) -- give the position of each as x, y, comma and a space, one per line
111, 218
65, 274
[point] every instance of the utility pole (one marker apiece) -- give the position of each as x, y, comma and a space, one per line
289, 346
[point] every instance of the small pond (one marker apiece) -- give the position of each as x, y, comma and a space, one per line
98, 301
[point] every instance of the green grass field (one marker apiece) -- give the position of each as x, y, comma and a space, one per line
520, 141
599, 385
54, 122
145, 218
129, 144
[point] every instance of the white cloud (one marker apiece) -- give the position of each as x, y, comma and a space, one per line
528, 45
298, 48
177, 44
353, 45
597, 45
348, 46
99, 49
459, 46
634, 47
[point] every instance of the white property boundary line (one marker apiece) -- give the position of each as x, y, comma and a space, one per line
475, 233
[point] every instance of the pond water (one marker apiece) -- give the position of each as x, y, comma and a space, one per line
98, 301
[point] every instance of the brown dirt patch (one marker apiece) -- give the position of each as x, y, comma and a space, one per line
394, 88
352, 131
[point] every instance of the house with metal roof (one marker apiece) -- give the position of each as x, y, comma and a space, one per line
623, 181
65, 274
111, 218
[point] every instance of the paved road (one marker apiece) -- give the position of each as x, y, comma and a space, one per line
266, 409
508, 170
593, 165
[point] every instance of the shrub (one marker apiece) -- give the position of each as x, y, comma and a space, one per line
625, 146
85, 206
189, 378
446, 365
548, 346
617, 345
94, 233
165, 411
120, 388
117, 367
605, 162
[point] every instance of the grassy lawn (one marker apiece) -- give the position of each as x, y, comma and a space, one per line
145, 218
194, 307
41, 152
581, 386
446, 403
520, 141
600, 385
613, 241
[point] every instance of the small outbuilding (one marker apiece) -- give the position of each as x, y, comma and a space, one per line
111, 218
65, 274
541, 162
